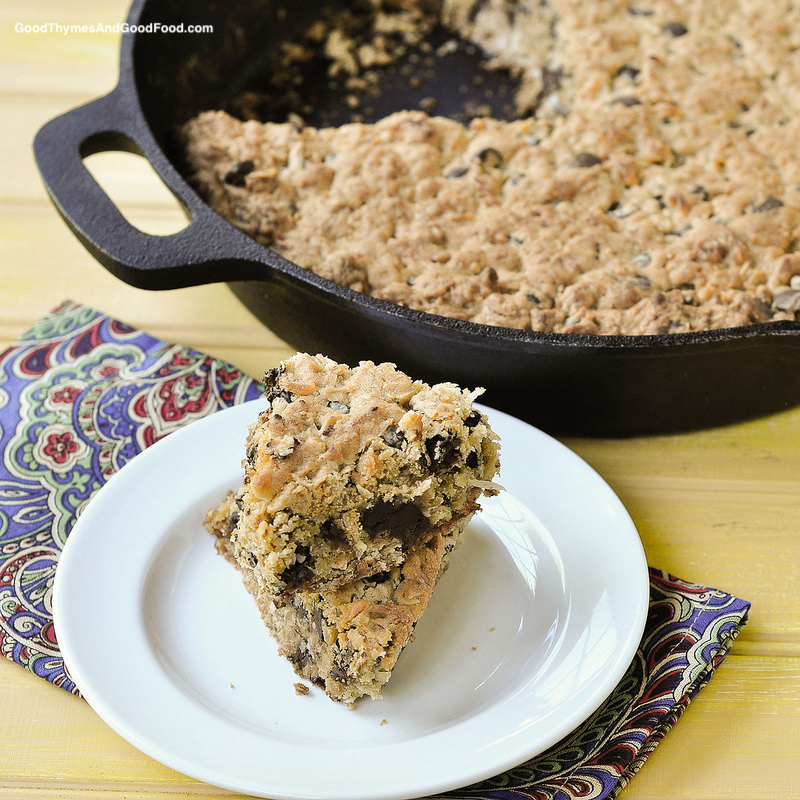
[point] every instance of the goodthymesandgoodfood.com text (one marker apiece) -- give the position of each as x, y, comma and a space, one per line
118, 27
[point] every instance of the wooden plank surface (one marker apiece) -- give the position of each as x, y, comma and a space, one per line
719, 507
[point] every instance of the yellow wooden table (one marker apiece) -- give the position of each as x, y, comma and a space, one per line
720, 507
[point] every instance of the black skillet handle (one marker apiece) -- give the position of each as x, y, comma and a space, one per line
208, 250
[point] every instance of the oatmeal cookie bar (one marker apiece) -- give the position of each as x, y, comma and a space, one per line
346, 640
653, 187
349, 468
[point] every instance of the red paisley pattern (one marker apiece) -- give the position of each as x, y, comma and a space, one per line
59, 446
80, 395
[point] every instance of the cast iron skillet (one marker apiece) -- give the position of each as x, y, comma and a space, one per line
566, 384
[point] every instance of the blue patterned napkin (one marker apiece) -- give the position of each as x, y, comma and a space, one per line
689, 631
81, 394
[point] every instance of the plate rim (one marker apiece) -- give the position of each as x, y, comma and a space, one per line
431, 785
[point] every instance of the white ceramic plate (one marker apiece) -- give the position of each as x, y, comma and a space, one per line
528, 632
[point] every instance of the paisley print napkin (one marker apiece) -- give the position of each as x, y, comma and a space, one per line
81, 394
689, 630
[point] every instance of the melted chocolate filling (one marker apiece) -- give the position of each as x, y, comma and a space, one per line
402, 521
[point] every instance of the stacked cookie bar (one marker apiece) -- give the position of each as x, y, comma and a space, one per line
358, 484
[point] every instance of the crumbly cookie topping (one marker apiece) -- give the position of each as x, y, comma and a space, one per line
653, 188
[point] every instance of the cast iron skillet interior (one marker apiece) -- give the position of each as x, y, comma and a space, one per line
565, 384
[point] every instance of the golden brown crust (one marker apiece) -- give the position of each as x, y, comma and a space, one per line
655, 188
349, 467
